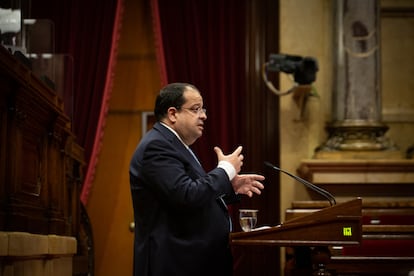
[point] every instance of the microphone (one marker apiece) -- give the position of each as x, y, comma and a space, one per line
311, 186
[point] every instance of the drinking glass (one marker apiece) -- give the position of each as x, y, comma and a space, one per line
247, 219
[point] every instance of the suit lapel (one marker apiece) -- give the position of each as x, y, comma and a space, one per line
180, 146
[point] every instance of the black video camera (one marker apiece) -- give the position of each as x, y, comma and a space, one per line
303, 69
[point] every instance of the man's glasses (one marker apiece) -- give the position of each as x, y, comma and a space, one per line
195, 110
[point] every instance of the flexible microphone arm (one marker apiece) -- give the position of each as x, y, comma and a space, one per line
311, 186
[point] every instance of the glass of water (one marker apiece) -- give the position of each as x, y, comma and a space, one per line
248, 219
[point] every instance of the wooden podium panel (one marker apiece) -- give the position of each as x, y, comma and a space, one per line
336, 225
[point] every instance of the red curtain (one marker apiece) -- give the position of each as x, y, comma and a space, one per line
203, 42
88, 32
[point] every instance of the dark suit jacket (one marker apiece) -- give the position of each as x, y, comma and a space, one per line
181, 227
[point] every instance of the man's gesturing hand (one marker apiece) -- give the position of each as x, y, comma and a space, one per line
248, 184
235, 158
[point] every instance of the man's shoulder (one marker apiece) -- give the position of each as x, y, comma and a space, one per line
159, 132
157, 136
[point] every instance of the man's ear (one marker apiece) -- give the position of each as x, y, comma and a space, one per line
172, 114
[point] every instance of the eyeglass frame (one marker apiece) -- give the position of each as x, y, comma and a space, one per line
195, 110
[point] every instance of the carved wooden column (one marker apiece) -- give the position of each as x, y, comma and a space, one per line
357, 129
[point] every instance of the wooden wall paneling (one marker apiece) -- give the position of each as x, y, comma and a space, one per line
73, 168
261, 135
137, 33
34, 133
4, 86
58, 205
27, 150
137, 77
261, 116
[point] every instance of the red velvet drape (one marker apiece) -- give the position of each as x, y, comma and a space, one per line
88, 32
203, 42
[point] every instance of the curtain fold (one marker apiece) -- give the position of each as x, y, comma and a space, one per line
88, 32
159, 48
203, 43
103, 111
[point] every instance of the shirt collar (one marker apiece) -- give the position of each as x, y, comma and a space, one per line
176, 134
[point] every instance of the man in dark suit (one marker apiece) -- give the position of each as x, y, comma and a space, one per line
181, 220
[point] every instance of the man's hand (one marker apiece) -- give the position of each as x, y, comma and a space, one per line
248, 184
235, 158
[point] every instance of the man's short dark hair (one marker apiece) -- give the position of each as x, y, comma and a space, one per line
170, 95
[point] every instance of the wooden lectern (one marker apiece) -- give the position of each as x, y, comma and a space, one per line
340, 224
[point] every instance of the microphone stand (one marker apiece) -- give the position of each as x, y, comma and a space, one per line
320, 254
311, 186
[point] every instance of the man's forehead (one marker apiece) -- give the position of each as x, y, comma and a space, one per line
191, 94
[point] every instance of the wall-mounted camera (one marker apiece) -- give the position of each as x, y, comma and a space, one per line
303, 70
